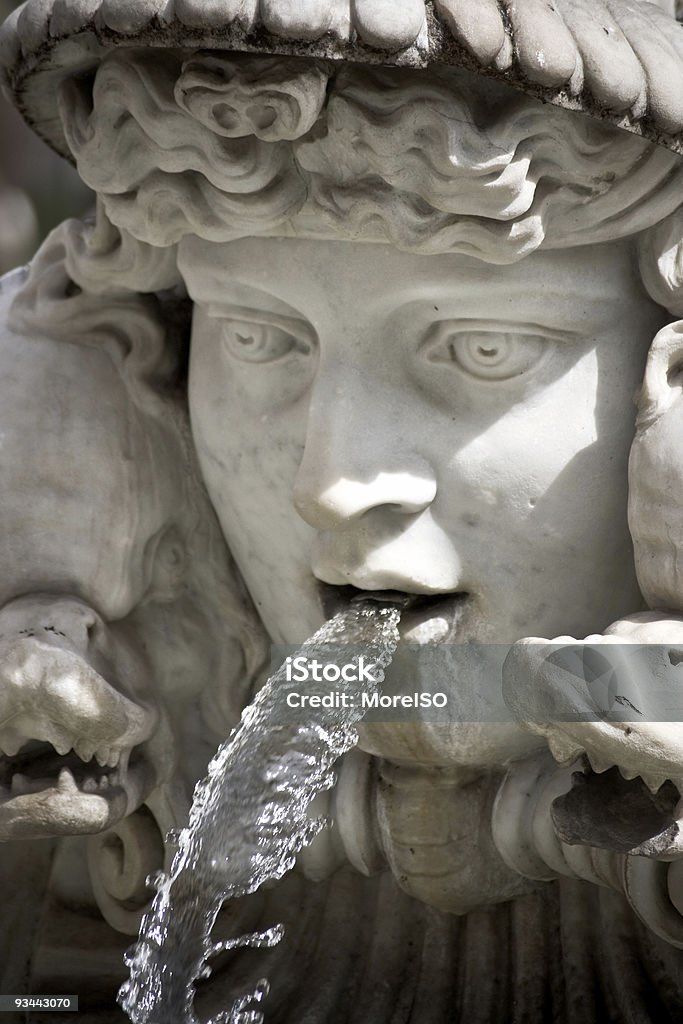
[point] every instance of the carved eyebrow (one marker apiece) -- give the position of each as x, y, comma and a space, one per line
233, 295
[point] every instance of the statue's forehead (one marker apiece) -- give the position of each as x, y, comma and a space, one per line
313, 275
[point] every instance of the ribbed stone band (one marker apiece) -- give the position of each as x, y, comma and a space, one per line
619, 60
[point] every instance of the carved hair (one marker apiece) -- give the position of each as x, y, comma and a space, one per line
226, 146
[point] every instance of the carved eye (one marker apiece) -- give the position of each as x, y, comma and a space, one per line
260, 343
488, 355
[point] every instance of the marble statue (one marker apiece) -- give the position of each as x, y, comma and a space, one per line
375, 296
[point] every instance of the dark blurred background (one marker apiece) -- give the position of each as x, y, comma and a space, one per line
37, 188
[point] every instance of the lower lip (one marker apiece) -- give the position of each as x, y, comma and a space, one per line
436, 621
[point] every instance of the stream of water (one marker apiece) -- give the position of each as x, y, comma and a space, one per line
249, 820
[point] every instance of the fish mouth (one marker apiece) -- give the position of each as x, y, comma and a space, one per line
418, 608
72, 748
44, 793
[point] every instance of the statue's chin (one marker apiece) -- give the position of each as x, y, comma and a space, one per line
64, 796
480, 746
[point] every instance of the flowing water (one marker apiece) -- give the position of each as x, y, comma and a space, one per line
249, 819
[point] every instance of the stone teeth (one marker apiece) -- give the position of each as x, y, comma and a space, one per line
653, 781
21, 784
113, 758
563, 749
60, 739
628, 773
66, 782
103, 782
102, 756
84, 749
10, 745
89, 785
599, 764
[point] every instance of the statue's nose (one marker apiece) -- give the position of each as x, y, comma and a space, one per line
340, 502
359, 456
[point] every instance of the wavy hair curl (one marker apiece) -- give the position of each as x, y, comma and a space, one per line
225, 146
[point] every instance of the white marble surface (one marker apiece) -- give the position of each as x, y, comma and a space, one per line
414, 359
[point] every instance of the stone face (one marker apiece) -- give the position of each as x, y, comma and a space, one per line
340, 328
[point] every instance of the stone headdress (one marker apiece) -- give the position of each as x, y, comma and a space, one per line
619, 60
190, 117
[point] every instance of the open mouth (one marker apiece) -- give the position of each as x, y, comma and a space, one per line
45, 791
71, 747
420, 610
38, 766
